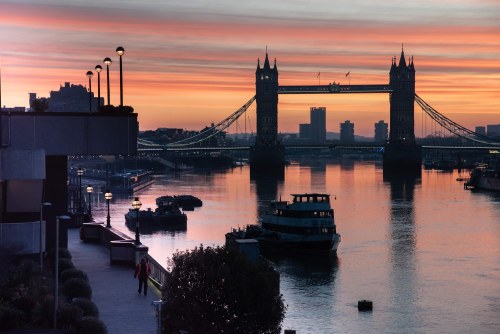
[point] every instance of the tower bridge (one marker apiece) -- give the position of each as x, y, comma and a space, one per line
401, 151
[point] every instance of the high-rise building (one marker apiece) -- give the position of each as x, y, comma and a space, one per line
381, 132
318, 125
305, 131
347, 132
481, 130
493, 130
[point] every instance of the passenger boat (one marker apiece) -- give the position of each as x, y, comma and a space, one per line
306, 223
485, 177
167, 214
130, 181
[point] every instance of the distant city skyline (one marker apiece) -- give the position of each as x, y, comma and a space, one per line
188, 64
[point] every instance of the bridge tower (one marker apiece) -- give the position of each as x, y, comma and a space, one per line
267, 150
401, 153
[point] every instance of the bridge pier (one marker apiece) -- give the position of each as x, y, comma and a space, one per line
401, 158
267, 156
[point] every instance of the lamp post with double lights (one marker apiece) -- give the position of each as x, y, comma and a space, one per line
107, 61
90, 75
136, 205
79, 172
98, 69
120, 51
108, 196
90, 189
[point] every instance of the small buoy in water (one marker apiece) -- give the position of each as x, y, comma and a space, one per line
365, 305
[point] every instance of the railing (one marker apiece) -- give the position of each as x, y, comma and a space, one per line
158, 274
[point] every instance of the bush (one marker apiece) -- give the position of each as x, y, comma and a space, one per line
25, 303
43, 312
73, 273
88, 307
63, 254
77, 287
91, 325
10, 317
68, 317
65, 264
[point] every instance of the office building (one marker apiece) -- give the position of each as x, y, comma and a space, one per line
493, 130
381, 132
481, 130
347, 132
305, 131
318, 125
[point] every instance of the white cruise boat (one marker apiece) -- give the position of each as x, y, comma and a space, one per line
306, 223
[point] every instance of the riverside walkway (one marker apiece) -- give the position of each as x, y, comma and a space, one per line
114, 289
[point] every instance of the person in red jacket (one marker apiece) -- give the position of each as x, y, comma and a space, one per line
142, 272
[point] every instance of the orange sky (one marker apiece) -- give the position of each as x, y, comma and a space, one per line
191, 63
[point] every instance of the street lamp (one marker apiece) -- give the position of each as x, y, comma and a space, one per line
108, 196
98, 69
89, 191
120, 51
79, 172
136, 205
41, 220
90, 75
107, 61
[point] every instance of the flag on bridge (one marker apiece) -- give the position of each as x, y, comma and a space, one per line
318, 75
348, 73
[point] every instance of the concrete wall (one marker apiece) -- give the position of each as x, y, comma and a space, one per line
71, 133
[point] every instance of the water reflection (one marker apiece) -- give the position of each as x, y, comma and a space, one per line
306, 269
147, 229
266, 184
402, 254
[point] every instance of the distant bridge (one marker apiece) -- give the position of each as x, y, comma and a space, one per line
189, 144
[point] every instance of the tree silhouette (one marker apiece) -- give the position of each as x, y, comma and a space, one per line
217, 290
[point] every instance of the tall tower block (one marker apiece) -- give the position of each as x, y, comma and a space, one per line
402, 154
267, 149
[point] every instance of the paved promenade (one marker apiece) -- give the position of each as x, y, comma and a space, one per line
114, 289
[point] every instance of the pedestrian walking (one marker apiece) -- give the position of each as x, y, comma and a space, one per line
142, 272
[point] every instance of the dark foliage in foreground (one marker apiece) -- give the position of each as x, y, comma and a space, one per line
27, 300
216, 290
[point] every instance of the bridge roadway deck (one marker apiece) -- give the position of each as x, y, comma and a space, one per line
114, 289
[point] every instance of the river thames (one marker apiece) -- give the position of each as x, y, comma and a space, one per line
423, 249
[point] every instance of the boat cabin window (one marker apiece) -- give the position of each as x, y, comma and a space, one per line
311, 199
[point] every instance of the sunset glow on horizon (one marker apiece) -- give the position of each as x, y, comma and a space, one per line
188, 64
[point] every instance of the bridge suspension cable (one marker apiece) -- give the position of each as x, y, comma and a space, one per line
213, 130
451, 126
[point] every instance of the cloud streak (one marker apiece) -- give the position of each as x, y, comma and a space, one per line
188, 64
